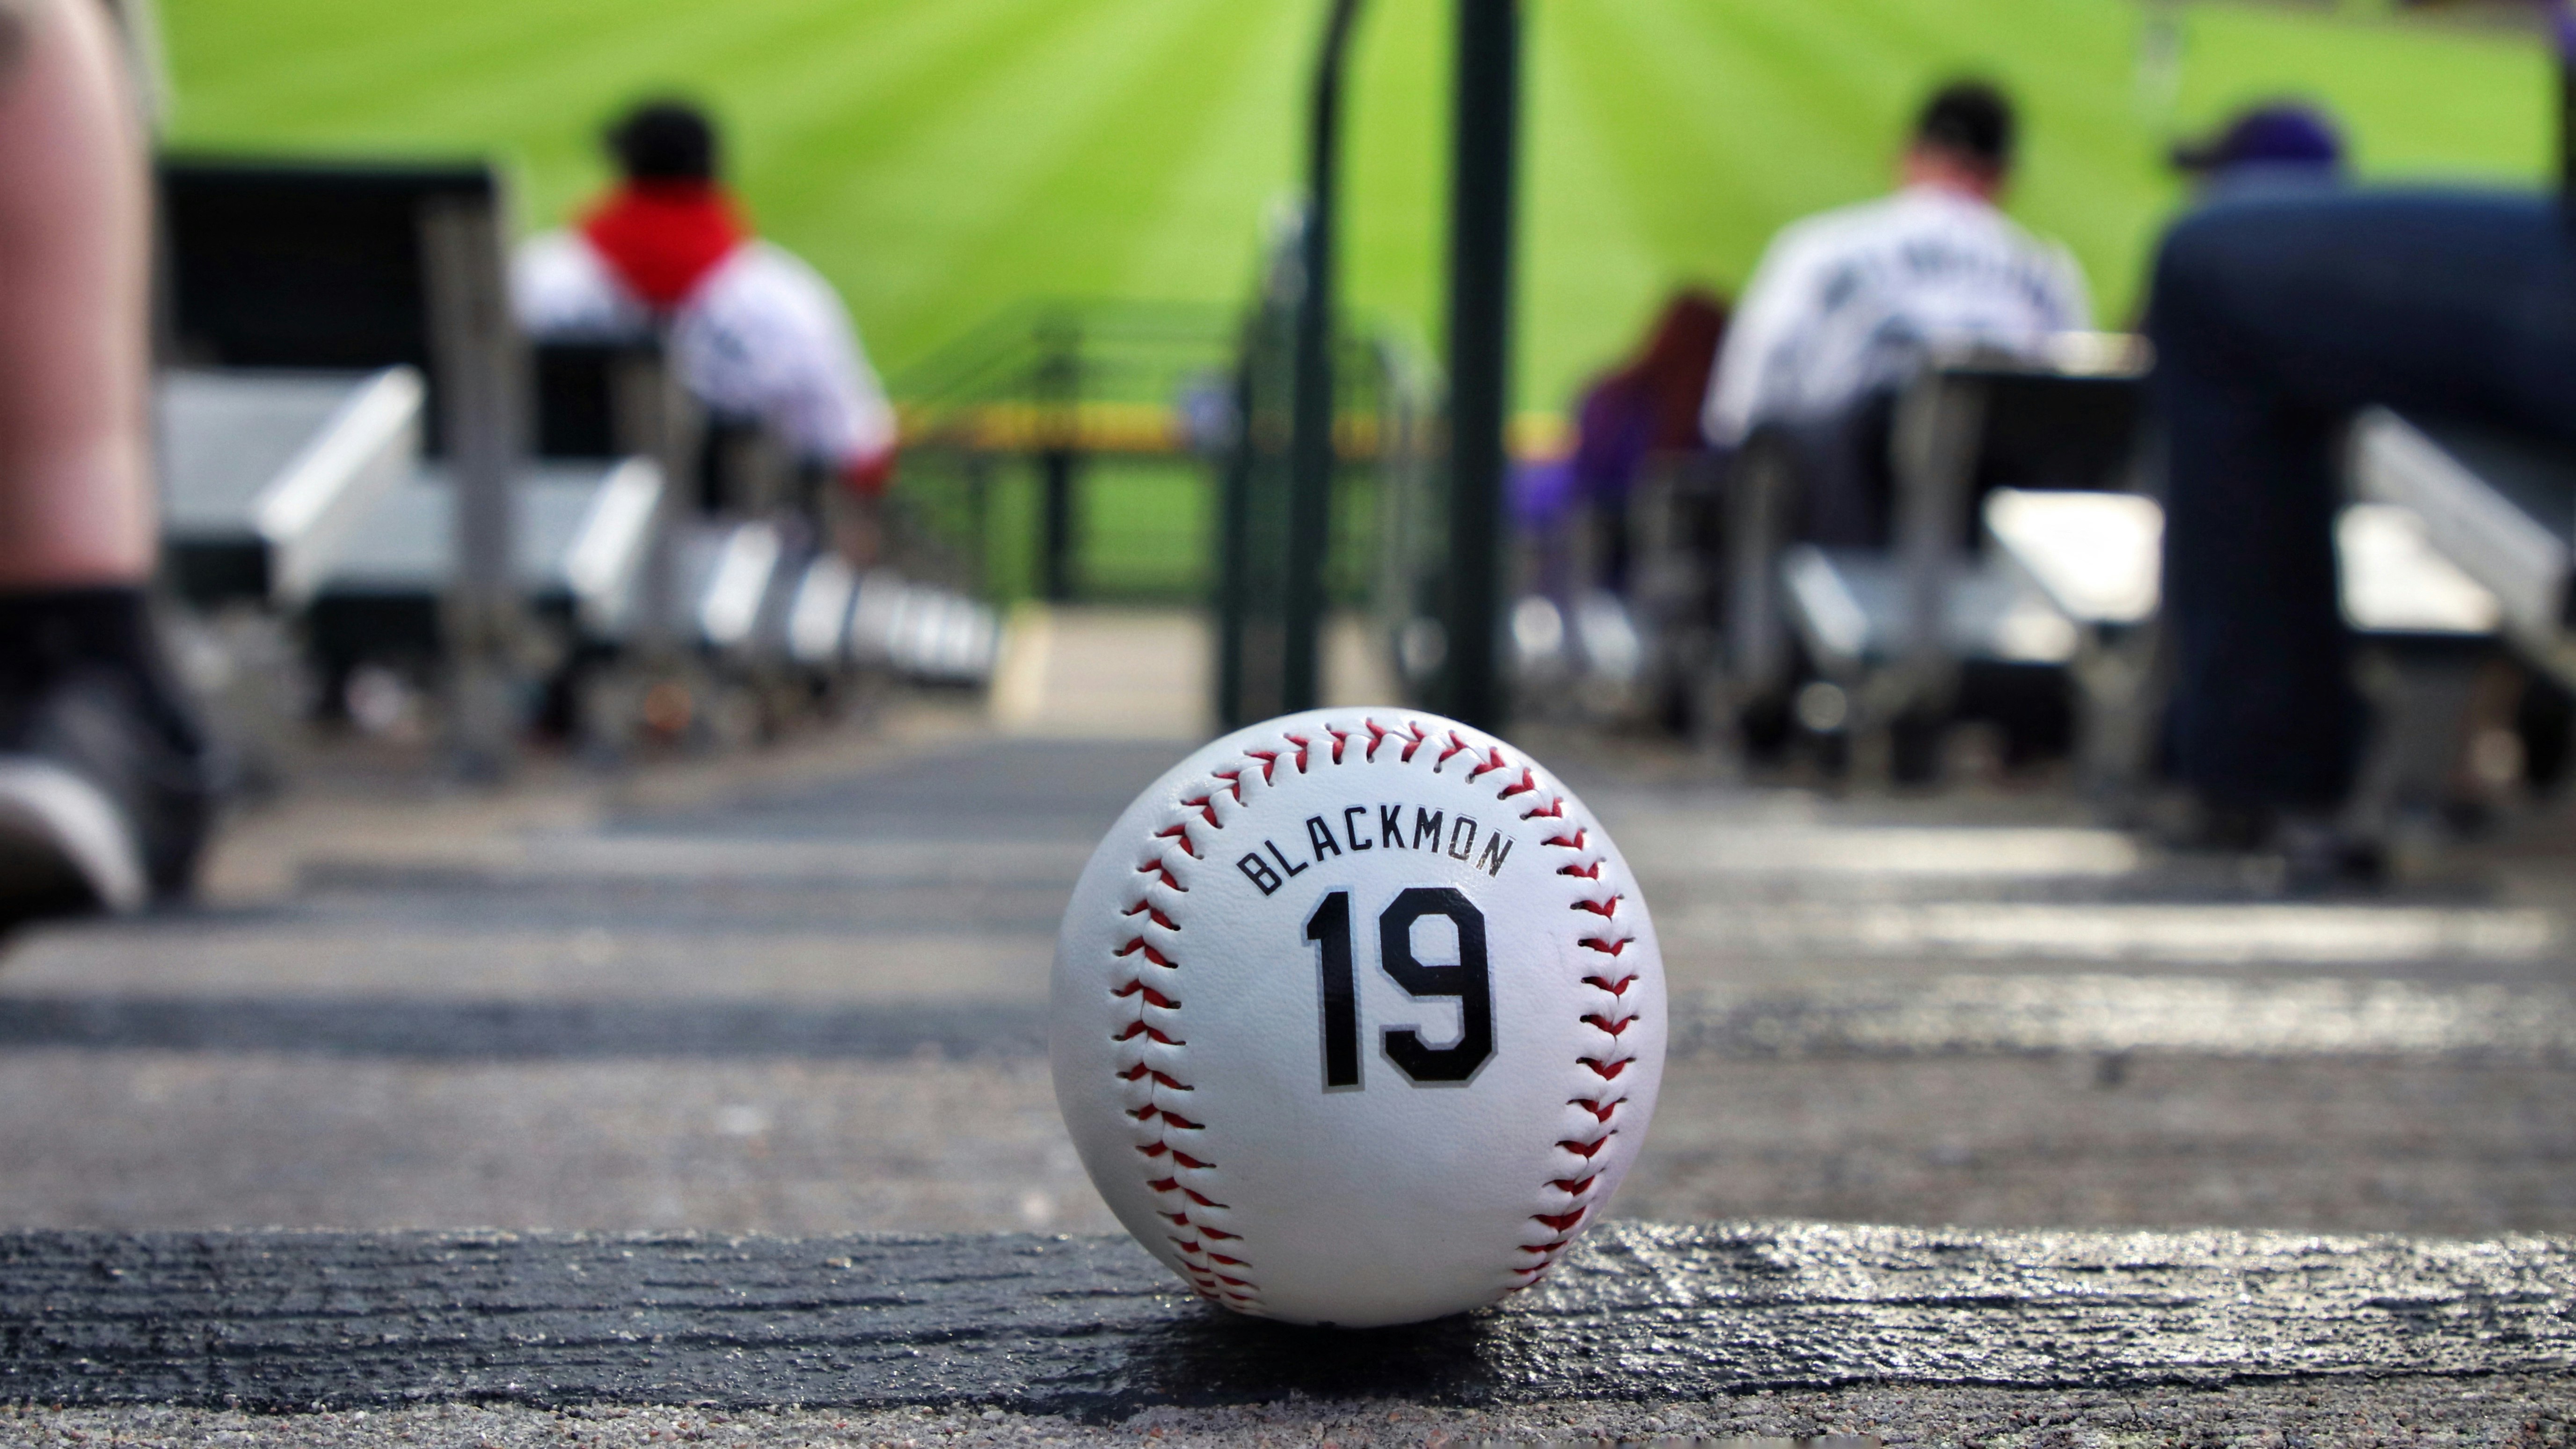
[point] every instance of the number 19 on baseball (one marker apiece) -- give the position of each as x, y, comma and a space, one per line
1316, 894
1330, 929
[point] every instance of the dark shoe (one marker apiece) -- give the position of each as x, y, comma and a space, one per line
2223, 829
105, 789
2318, 857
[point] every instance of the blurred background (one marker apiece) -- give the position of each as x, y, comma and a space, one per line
942, 168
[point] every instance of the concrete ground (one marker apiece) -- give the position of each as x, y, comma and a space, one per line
2518, 1412
809, 1002
802, 994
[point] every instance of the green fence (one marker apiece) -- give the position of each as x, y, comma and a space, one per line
1081, 451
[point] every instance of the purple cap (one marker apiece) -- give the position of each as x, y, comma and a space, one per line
2284, 134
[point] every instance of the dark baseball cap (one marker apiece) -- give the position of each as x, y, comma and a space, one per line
2284, 133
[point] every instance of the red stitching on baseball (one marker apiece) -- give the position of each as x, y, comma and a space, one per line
1147, 909
1377, 737
1413, 736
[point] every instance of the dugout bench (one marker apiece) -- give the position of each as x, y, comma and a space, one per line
1890, 633
273, 265
264, 476
2501, 509
2427, 552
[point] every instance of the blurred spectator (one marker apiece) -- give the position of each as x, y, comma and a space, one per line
1845, 305
2282, 143
1646, 409
755, 332
104, 800
2275, 316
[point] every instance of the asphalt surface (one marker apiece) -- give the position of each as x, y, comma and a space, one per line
806, 1000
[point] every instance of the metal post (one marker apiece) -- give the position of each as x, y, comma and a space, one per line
1234, 551
482, 383
1059, 390
656, 418
1480, 285
1940, 424
1311, 450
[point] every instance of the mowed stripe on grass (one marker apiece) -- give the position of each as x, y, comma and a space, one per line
939, 162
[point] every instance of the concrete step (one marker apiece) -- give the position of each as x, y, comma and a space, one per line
1091, 1327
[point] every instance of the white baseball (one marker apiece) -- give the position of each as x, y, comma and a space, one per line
1358, 1018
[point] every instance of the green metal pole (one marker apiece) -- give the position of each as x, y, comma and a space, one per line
1059, 390
1310, 449
1480, 286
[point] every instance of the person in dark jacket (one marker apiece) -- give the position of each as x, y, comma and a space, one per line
2275, 317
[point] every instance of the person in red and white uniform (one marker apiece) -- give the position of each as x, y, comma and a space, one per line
755, 332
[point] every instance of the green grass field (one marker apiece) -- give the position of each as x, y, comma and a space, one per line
939, 159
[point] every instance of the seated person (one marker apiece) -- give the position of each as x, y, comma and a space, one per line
1645, 411
754, 331
2275, 316
1845, 305
2277, 144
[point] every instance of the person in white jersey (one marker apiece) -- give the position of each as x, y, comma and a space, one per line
755, 332
1846, 304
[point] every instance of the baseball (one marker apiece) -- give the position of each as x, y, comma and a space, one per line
1358, 1018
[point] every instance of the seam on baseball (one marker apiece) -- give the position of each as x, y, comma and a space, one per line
1212, 1258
